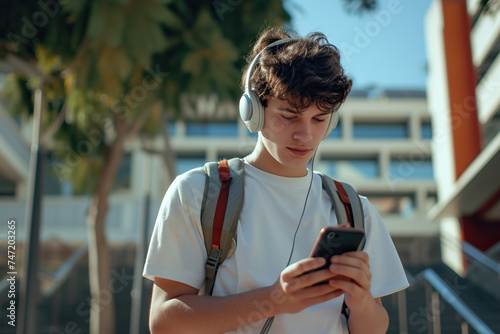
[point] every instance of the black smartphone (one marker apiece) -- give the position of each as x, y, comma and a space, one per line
334, 240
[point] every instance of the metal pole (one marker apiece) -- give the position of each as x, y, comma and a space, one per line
428, 313
436, 317
402, 312
29, 283
465, 327
137, 317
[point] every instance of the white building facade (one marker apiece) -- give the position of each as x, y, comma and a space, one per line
382, 146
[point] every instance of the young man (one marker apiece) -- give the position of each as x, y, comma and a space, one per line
300, 84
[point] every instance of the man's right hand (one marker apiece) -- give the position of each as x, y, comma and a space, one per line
299, 285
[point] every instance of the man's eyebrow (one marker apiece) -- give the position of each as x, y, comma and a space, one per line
298, 112
290, 110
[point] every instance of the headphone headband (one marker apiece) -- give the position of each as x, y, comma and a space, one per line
252, 110
257, 57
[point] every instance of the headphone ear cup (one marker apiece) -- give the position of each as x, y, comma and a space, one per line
252, 111
245, 108
334, 119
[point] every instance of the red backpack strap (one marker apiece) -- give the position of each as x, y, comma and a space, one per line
345, 200
220, 210
214, 256
344, 197
354, 206
340, 199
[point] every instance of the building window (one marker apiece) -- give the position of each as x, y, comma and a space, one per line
411, 169
212, 129
377, 130
426, 130
347, 168
394, 204
7, 187
430, 201
123, 175
52, 178
491, 129
172, 129
57, 183
186, 162
54, 182
337, 132
240, 154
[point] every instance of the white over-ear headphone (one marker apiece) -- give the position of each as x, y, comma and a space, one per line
252, 111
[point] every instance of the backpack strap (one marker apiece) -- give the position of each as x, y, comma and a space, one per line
331, 189
220, 210
358, 216
344, 196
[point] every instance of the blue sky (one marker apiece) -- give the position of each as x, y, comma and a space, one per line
385, 48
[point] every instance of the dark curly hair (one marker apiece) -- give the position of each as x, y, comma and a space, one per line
305, 71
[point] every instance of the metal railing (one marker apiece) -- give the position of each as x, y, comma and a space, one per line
56, 279
475, 254
437, 288
444, 291
482, 269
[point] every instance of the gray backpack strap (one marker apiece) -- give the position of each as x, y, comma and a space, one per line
337, 204
357, 214
356, 211
213, 184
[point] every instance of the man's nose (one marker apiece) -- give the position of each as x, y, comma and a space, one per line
303, 131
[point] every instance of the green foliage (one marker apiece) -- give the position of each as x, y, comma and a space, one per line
16, 95
210, 50
107, 61
207, 55
80, 155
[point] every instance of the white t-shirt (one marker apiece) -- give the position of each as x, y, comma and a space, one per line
269, 218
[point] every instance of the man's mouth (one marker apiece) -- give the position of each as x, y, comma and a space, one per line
299, 151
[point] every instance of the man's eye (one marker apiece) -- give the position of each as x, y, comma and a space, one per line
320, 119
287, 118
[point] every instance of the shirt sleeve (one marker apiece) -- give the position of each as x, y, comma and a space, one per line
177, 249
388, 275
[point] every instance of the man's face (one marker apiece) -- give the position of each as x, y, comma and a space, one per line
290, 138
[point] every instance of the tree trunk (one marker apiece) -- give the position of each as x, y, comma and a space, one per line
169, 156
102, 314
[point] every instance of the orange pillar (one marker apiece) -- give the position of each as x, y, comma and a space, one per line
462, 81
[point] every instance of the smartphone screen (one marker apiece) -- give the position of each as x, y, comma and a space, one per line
334, 240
